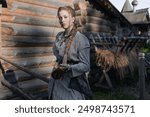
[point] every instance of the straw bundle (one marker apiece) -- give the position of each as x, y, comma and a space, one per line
105, 58
120, 61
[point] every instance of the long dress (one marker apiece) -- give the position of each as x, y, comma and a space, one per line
78, 58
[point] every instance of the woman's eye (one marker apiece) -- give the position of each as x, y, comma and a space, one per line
65, 17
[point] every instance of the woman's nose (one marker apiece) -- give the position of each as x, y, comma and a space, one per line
63, 19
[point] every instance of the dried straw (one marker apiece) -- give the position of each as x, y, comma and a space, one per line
118, 60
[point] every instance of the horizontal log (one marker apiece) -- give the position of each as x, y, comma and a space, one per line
6, 30
32, 8
34, 83
31, 20
27, 71
26, 51
28, 38
25, 44
90, 12
81, 12
25, 12
80, 5
30, 62
22, 76
96, 28
26, 41
80, 20
21, 29
47, 3
11, 67
94, 12
96, 20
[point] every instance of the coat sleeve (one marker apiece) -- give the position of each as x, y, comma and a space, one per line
84, 57
55, 50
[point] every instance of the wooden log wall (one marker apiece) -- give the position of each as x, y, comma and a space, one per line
28, 31
90, 19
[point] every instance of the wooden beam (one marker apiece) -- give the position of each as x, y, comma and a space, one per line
94, 12
31, 62
48, 3
32, 83
36, 74
28, 30
26, 13
42, 73
31, 20
96, 28
32, 8
96, 20
16, 41
15, 89
26, 51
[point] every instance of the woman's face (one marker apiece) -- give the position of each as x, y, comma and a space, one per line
65, 19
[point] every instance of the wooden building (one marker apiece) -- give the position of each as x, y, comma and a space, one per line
138, 17
28, 30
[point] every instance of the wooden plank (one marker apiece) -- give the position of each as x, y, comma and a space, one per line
30, 62
21, 29
96, 28
26, 41
80, 5
21, 76
44, 3
90, 12
31, 20
25, 12
81, 12
32, 83
94, 12
28, 38
96, 20
82, 20
47, 3
32, 8
26, 51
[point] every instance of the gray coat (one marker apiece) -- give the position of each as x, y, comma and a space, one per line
78, 58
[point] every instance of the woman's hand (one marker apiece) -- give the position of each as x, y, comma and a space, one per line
64, 67
60, 70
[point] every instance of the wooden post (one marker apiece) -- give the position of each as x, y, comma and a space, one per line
142, 75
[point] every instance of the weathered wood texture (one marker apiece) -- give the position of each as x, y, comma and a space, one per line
28, 31
29, 28
91, 19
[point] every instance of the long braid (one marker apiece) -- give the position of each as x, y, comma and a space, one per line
73, 32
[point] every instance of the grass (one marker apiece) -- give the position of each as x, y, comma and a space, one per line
118, 94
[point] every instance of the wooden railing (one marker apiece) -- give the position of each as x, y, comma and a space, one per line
15, 88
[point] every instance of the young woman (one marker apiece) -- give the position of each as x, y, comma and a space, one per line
72, 51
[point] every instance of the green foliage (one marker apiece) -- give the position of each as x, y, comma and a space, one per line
146, 49
113, 95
